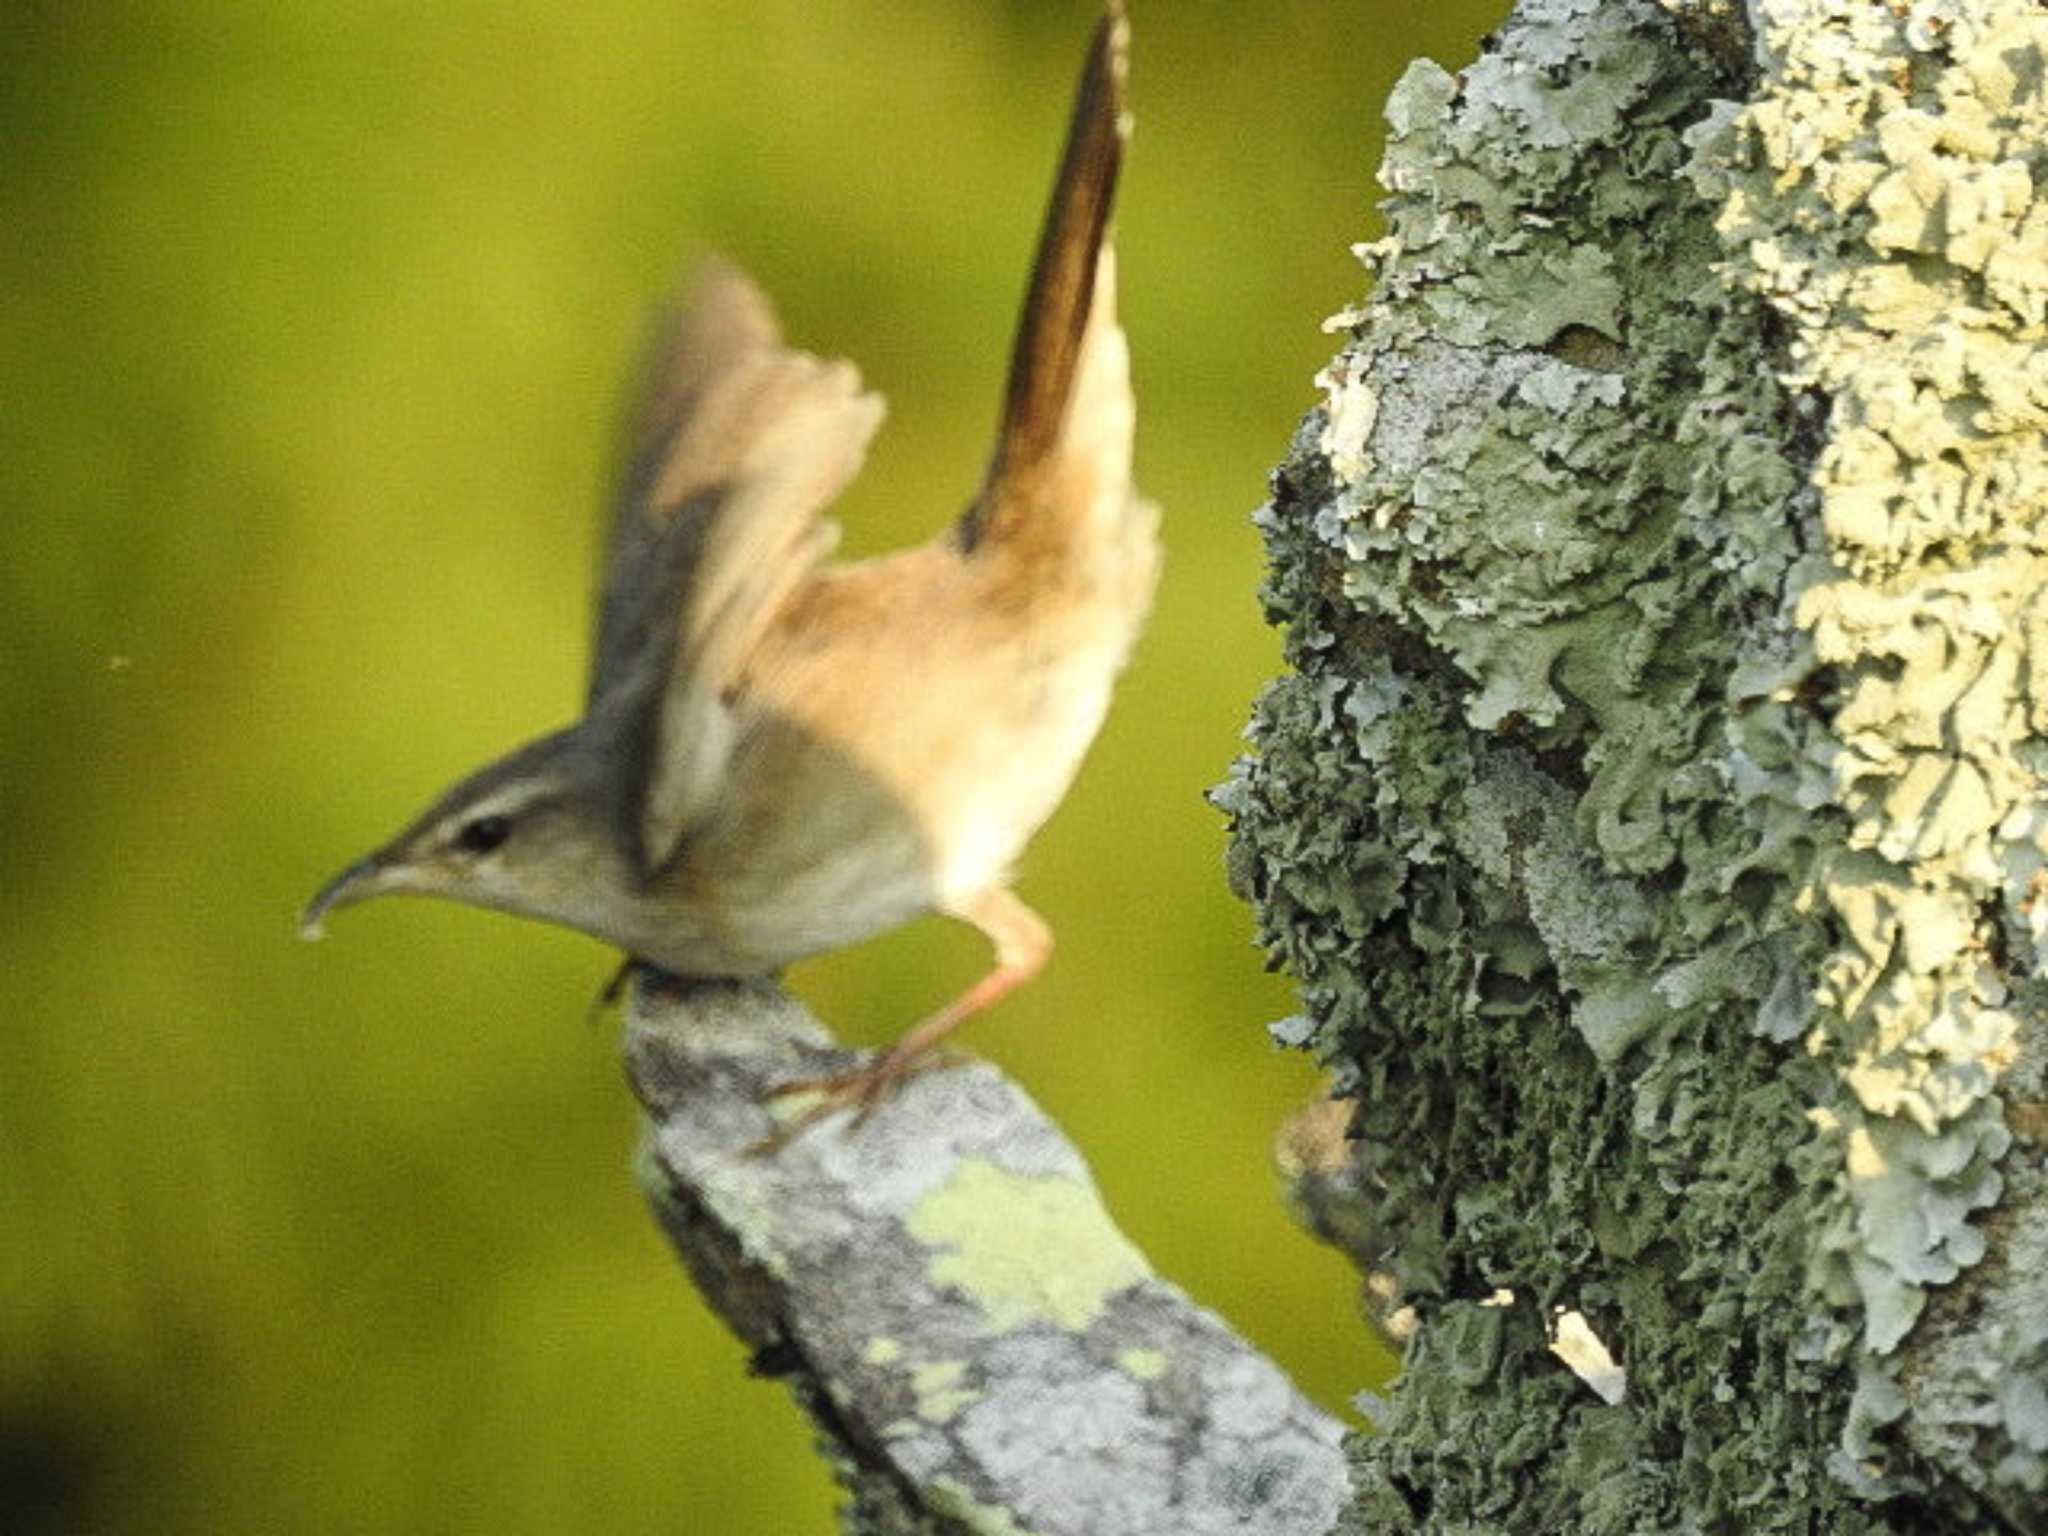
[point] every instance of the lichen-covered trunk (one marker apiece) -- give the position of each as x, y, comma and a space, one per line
1656, 812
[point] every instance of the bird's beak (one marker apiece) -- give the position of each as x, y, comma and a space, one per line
373, 875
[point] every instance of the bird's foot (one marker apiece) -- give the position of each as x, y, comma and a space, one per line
861, 1090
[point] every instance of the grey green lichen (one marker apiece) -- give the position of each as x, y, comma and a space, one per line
1654, 816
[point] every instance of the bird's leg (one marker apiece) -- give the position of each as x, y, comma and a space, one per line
609, 994
652, 979
1022, 941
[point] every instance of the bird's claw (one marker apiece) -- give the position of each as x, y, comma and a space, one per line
863, 1090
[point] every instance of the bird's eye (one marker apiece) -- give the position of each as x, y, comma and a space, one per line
484, 834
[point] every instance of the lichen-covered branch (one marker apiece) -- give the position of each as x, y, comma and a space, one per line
980, 1347
1655, 816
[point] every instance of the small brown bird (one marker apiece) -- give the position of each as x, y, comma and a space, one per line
778, 756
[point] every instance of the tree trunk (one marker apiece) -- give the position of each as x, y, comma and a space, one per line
1655, 814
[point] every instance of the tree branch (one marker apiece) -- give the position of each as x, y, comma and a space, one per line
979, 1346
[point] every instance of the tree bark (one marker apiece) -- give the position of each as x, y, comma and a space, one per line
1656, 814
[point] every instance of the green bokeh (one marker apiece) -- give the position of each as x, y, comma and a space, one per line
311, 323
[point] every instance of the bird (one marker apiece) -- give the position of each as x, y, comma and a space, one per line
781, 755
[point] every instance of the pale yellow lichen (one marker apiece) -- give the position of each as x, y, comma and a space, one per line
1352, 408
949, 1498
1026, 1247
1893, 213
938, 1390
1932, 486
1573, 1341
1864, 1161
1145, 1364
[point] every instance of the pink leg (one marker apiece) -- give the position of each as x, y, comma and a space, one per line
1022, 941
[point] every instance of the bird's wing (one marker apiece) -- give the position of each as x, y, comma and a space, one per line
738, 444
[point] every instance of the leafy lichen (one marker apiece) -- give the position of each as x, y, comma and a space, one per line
1643, 815
1881, 195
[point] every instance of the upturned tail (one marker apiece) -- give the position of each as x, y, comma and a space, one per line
1069, 319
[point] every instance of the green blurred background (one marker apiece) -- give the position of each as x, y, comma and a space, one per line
312, 322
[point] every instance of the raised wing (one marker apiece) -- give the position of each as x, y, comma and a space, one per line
738, 444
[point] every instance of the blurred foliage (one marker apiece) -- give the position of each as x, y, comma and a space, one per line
311, 318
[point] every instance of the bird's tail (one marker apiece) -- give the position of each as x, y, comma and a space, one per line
1066, 411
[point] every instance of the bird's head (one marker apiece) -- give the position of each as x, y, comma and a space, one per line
525, 834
